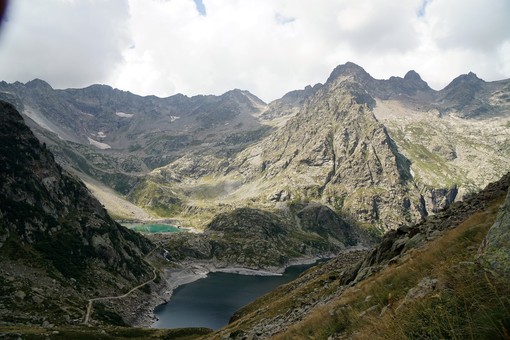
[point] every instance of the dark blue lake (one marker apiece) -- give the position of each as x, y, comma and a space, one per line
210, 302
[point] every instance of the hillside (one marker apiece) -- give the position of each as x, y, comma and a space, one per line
446, 277
58, 246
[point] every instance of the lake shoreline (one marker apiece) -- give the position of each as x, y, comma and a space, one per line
195, 270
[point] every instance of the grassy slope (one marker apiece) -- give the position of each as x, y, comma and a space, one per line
468, 303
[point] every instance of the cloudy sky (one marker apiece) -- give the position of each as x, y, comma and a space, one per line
268, 47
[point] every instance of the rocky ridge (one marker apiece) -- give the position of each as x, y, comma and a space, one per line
335, 151
495, 249
387, 152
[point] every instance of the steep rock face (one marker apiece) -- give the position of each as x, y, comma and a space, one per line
397, 242
51, 227
335, 150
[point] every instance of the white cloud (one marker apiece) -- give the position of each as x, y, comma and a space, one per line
268, 47
67, 43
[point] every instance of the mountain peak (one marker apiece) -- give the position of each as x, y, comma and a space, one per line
243, 95
412, 75
38, 83
472, 75
349, 69
467, 78
413, 79
470, 80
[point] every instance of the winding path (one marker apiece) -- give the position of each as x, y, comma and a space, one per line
91, 301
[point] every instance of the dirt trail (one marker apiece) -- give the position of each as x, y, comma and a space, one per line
91, 301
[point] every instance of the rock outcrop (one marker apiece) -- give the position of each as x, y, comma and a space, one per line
396, 242
495, 250
258, 239
290, 103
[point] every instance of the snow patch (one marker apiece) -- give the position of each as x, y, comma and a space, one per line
124, 115
174, 118
99, 145
101, 134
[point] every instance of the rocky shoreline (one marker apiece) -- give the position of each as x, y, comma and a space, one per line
195, 270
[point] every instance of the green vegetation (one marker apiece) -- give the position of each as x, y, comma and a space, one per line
426, 163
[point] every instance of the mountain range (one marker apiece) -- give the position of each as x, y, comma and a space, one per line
386, 152
313, 174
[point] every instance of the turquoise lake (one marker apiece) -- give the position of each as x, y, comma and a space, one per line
210, 302
154, 228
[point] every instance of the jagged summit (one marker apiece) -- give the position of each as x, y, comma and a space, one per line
410, 85
470, 79
349, 69
38, 83
412, 75
290, 103
471, 97
414, 78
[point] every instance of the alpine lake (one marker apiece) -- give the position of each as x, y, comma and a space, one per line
211, 301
